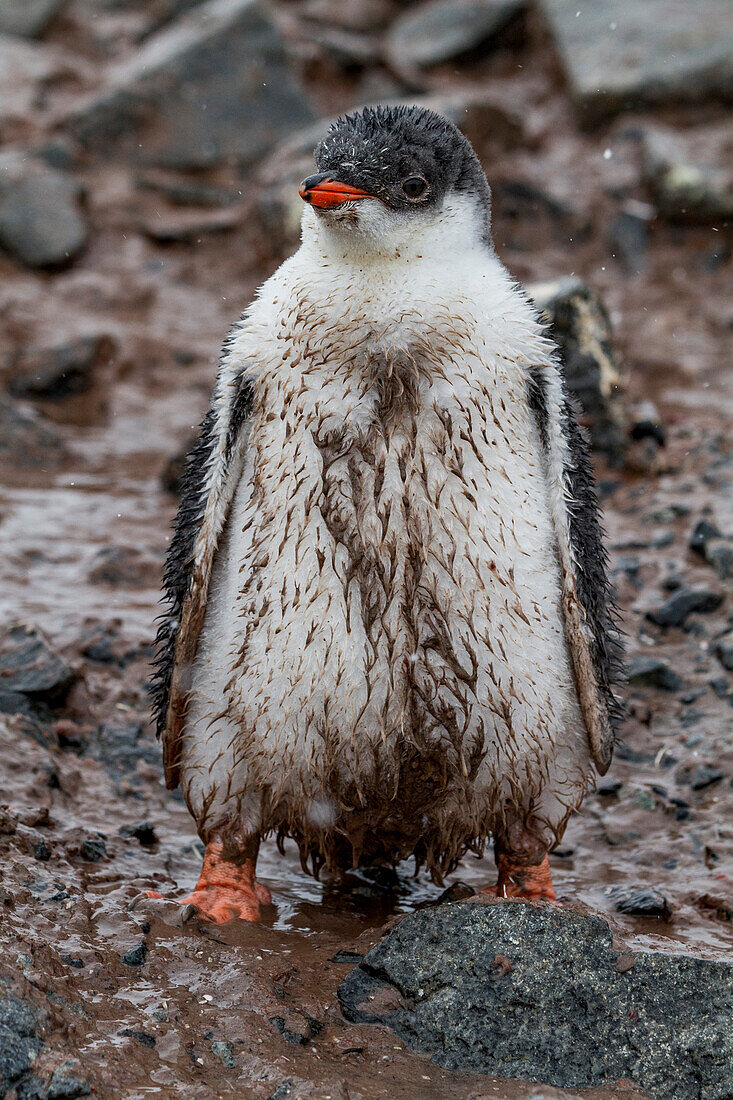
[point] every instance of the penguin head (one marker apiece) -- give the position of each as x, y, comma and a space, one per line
389, 176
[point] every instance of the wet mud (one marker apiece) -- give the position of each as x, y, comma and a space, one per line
136, 1000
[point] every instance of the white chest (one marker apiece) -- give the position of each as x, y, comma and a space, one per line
388, 588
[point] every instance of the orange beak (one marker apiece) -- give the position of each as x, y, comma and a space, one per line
327, 194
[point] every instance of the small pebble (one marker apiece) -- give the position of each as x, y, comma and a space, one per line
137, 955
93, 850
224, 1051
640, 901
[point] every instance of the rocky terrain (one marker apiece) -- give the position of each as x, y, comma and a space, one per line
151, 151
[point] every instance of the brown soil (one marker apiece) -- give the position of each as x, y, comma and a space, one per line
269, 990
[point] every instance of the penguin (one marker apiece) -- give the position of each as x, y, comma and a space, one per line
389, 630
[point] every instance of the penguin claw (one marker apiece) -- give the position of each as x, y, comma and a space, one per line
226, 890
517, 881
220, 904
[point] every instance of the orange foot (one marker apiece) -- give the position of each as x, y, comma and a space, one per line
226, 890
516, 881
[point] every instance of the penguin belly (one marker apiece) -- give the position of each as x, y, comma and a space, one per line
383, 670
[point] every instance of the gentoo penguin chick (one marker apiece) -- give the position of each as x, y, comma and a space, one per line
390, 630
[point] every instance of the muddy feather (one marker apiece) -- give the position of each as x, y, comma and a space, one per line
391, 631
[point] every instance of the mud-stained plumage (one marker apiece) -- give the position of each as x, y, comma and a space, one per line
390, 627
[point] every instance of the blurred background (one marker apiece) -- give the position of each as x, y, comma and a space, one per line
151, 152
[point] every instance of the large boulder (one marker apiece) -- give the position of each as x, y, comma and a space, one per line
447, 30
41, 222
622, 54
685, 184
57, 372
212, 87
19, 1043
30, 666
519, 990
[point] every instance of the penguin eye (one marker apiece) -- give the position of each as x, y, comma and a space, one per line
414, 187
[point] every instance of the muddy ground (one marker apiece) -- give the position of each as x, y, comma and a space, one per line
130, 1000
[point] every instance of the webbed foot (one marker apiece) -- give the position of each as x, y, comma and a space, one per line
227, 888
522, 881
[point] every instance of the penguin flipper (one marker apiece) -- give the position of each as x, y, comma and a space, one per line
587, 599
213, 468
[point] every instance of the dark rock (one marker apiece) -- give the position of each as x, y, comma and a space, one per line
719, 554
224, 1051
578, 322
457, 891
27, 440
36, 717
41, 851
19, 1045
282, 1092
210, 88
560, 1014
40, 219
29, 666
702, 533
721, 687
723, 650
653, 672
119, 566
31, 1088
144, 833
100, 649
523, 200
140, 1036
640, 901
702, 776
58, 153
296, 1027
17, 1055
722, 908
94, 849
346, 958
78, 964
685, 191
685, 601
624, 751
628, 236
65, 1085
668, 513
121, 747
18, 1016
137, 955
59, 372
71, 736
445, 30
624, 55
27, 18
609, 787
171, 477
647, 424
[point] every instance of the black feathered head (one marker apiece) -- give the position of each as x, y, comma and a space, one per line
408, 158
